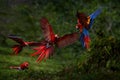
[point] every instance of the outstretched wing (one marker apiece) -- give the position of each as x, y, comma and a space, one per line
47, 30
93, 16
67, 39
17, 39
34, 43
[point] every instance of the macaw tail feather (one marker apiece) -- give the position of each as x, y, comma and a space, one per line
87, 42
49, 52
85, 39
17, 49
39, 50
36, 53
45, 54
41, 56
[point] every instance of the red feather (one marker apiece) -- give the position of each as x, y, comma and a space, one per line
18, 48
39, 50
87, 42
82, 19
67, 39
49, 52
45, 53
47, 30
41, 56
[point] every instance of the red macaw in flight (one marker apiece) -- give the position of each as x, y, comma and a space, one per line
51, 39
84, 23
18, 48
22, 66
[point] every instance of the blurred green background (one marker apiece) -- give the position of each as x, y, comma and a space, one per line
21, 17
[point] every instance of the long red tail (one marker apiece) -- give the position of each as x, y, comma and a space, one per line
39, 50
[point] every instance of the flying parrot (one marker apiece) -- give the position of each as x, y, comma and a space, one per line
18, 47
51, 39
22, 66
84, 23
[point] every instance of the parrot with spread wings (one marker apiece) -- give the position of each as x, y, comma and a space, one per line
51, 39
18, 47
84, 23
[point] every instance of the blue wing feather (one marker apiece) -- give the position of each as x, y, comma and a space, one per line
82, 39
93, 16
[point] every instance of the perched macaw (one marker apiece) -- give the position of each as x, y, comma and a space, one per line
18, 48
84, 23
22, 66
51, 39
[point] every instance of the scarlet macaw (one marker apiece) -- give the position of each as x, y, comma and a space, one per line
51, 40
84, 23
22, 66
18, 48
